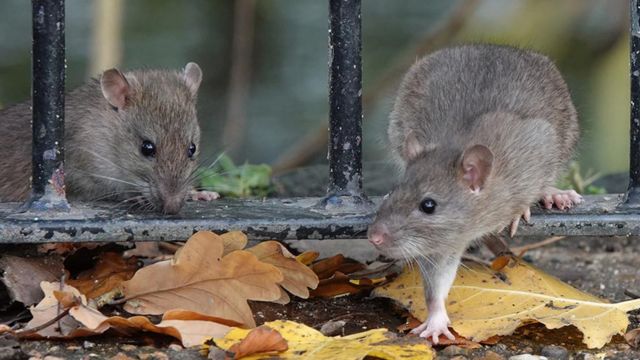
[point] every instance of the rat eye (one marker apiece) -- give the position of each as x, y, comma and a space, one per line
428, 205
192, 150
148, 148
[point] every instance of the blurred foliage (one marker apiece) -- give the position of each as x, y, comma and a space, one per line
230, 180
581, 182
588, 39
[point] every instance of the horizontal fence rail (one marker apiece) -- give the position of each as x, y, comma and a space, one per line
298, 218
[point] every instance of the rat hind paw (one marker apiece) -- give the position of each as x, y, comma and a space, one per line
562, 199
433, 328
202, 195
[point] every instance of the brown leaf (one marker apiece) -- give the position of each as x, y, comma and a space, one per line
633, 337
500, 262
325, 268
234, 240
297, 277
66, 299
259, 340
191, 330
49, 308
81, 321
110, 272
65, 248
22, 276
200, 279
338, 284
308, 257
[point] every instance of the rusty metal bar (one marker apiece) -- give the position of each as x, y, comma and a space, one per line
47, 185
632, 198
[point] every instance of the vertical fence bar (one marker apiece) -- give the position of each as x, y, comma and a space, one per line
345, 103
47, 185
632, 198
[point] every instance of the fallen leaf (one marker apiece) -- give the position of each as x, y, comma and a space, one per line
22, 276
483, 303
308, 343
500, 262
200, 279
111, 271
259, 340
48, 308
65, 248
234, 240
308, 257
190, 328
338, 284
66, 299
325, 268
633, 338
81, 321
298, 278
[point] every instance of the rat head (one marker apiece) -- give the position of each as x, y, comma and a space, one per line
155, 129
433, 211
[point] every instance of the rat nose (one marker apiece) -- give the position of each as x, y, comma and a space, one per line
379, 234
172, 204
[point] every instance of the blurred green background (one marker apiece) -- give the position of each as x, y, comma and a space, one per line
274, 109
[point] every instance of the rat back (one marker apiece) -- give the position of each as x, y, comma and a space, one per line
445, 93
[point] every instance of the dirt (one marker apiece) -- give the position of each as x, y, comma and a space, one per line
608, 267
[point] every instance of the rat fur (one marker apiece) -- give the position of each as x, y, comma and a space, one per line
482, 132
106, 122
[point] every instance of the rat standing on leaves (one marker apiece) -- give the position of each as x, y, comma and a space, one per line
130, 136
482, 132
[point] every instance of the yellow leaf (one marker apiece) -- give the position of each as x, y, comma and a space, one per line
483, 303
308, 343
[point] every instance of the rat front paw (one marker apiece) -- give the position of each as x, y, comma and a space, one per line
562, 199
436, 325
201, 195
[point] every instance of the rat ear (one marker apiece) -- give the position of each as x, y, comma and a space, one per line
115, 88
475, 167
412, 147
192, 76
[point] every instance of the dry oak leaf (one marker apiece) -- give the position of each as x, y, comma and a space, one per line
483, 303
22, 276
307, 343
308, 257
192, 329
81, 321
262, 339
298, 278
200, 279
49, 307
234, 240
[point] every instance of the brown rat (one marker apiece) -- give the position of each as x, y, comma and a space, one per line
129, 136
482, 132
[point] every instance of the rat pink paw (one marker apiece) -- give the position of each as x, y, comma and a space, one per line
437, 324
562, 199
201, 195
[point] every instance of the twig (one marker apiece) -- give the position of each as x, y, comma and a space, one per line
45, 325
315, 141
521, 250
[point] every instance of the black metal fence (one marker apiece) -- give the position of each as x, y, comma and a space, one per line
344, 213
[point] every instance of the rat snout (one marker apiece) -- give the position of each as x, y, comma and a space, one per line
172, 204
379, 235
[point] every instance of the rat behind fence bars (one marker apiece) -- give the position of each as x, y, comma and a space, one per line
481, 132
130, 136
